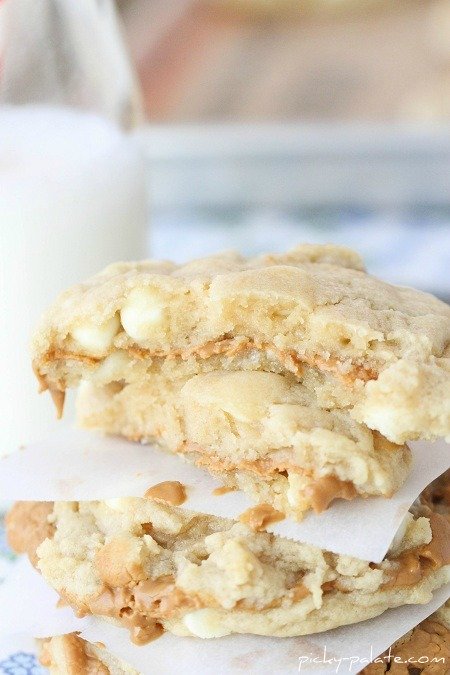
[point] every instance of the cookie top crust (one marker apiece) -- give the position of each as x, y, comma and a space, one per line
313, 306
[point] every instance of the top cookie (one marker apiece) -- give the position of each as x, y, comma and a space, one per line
380, 351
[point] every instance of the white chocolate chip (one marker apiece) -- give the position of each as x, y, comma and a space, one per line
142, 311
96, 338
296, 490
111, 369
120, 504
205, 623
245, 395
152, 546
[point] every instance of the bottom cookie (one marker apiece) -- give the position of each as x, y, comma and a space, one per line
151, 567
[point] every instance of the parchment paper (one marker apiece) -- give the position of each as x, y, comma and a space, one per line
77, 465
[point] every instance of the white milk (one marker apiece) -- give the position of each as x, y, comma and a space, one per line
72, 200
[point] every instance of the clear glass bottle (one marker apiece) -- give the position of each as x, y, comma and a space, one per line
70, 53
72, 181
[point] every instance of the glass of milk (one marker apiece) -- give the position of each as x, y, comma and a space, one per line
72, 200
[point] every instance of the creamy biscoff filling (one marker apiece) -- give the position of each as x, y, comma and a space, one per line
404, 400
259, 517
412, 565
106, 561
346, 371
169, 492
147, 318
142, 608
318, 492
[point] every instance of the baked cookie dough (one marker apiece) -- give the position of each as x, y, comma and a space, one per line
152, 567
257, 431
425, 650
71, 655
379, 352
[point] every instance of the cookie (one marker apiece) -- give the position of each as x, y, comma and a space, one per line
260, 432
152, 567
425, 650
27, 528
437, 494
71, 655
377, 351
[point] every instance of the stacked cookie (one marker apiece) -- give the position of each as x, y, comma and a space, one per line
152, 567
425, 648
297, 378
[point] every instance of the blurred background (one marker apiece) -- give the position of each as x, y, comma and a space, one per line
290, 60
178, 128
271, 122
263, 122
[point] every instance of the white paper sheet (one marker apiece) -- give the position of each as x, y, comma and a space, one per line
56, 469
28, 605
230, 655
